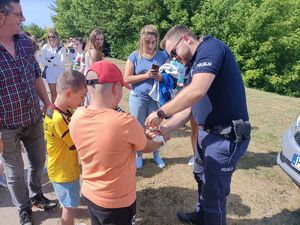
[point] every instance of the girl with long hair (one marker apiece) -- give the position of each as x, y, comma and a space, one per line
93, 51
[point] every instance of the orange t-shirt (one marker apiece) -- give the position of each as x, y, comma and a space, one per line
106, 141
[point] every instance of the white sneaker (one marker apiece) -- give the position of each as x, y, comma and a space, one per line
3, 182
191, 161
161, 164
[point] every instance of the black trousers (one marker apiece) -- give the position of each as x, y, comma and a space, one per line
116, 216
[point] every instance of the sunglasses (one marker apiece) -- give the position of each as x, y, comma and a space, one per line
173, 52
51, 37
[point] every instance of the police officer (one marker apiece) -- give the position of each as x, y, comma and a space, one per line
216, 97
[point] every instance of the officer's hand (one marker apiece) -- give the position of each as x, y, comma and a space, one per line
153, 121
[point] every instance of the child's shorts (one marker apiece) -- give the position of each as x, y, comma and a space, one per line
68, 194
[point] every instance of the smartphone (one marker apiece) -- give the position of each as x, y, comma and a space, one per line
155, 67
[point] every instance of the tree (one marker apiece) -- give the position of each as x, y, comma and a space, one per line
263, 34
34, 30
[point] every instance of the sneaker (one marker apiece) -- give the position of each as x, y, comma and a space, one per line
161, 164
40, 201
25, 217
192, 218
3, 182
191, 161
139, 162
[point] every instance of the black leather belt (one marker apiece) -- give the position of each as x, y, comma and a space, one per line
238, 131
226, 131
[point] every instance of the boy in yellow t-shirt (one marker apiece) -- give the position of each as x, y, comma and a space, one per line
63, 166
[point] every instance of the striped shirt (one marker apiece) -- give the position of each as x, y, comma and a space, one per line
119, 109
19, 104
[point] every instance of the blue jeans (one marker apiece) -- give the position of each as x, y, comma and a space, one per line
215, 161
33, 140
141, 108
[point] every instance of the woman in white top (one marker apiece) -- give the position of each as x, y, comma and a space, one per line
53, 56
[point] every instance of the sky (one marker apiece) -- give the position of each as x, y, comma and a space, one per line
38, 12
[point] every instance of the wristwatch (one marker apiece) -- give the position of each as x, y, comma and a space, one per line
161, 114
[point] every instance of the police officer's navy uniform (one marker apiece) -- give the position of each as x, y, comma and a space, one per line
219, 146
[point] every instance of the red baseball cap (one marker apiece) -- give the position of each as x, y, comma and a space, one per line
107, 72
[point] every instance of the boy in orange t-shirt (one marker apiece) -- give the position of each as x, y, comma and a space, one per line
107, 142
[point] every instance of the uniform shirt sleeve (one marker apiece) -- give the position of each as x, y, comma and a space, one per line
210, 58
62, 129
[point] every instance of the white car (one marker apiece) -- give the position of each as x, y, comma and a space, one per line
289, 156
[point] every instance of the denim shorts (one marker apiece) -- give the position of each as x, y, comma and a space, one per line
68, 194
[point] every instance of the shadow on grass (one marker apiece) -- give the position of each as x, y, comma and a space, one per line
253, 160
159, 206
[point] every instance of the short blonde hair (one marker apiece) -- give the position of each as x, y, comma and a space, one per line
148, 29
71, 79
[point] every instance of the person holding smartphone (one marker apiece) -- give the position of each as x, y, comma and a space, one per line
141, 70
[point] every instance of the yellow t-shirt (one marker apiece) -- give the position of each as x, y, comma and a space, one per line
63, 165
106, 141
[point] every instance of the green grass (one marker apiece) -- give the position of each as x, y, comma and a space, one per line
261, 193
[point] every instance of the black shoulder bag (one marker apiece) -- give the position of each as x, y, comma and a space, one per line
52, 57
